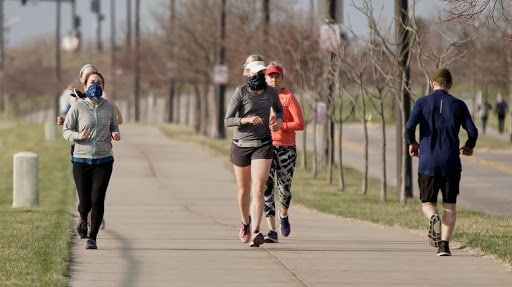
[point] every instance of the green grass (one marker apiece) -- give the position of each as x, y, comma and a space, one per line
35, 241
488, 233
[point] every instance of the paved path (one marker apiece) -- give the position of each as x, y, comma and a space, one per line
172, 220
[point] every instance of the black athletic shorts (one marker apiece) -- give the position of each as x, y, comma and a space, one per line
431, 185
242, 156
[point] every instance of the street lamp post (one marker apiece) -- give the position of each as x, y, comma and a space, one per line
137, 61
221, 133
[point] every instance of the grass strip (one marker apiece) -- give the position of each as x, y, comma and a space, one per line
35, 241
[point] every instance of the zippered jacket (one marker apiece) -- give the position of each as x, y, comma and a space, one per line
100, 119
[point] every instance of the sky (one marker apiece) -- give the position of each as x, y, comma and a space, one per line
37, 17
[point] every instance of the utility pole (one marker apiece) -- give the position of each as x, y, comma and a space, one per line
2, 55
75, 23
2, 45
221, 133
128, 24
137, 61
113, 46
57, 57
403, 159
96, 8
266, 24
171, 69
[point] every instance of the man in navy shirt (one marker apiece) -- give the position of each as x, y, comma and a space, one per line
440, 117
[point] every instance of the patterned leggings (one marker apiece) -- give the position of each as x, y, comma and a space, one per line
283, 166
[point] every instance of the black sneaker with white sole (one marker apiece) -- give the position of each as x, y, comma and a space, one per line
443, 249
91, 244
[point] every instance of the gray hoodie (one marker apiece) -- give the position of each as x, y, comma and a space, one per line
100, 119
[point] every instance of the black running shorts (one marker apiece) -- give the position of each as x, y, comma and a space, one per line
242, 156
431, 185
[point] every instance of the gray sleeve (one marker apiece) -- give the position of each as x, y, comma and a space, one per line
232, 119
69, 128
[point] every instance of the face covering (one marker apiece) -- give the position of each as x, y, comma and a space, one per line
94, 91
257, 82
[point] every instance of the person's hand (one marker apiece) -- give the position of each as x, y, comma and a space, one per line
414, 149
116, 136
466, 151
275, 124
85, 134
253, 120
60, 120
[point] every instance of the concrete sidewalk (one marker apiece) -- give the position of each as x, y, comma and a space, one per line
172, 220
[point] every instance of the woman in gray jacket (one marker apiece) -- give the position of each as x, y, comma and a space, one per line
91, 125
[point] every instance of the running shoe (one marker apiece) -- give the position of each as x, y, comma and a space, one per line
81, 229
271, 237
434, 230
285, 227
245, 232
91, 244
443, 249
257, 239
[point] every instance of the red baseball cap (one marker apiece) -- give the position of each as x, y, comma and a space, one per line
274, 69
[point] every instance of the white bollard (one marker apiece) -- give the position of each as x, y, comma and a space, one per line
25, 179
50, 131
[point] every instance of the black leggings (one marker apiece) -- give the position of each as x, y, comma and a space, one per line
91, 184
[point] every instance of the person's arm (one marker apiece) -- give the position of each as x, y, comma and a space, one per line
119, 116
231, 119
114, 127
297, 123
70, 126
412, 122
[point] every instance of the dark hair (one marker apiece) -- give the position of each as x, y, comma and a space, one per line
94, 73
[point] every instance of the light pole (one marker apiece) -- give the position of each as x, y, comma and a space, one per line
171, 67
2, 56
221, 133
113, 46
136, 66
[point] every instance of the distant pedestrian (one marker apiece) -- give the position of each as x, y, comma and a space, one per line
251, 149
501, 112
285, 156
483, 112
65, 101
440, 117
91, 125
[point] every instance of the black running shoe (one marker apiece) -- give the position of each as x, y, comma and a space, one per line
271, 237
91, 244
285, 227
444, 249
81, 229
434, 230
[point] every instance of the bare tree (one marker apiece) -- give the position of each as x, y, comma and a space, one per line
485, 13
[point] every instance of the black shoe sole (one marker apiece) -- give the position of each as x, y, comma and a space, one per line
434, 231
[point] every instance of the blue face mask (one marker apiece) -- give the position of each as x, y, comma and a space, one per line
94, 91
